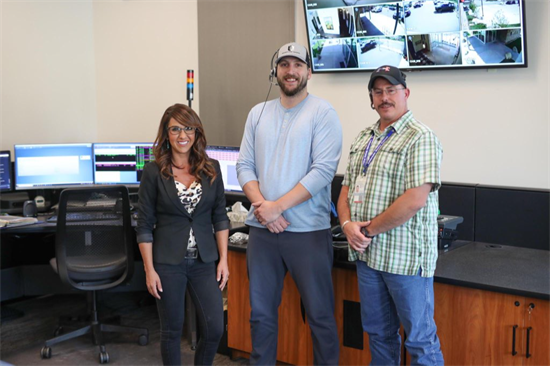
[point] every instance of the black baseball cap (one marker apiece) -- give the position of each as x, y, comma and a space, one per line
390, 73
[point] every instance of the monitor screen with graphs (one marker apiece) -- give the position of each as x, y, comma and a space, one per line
121, 163
227, 156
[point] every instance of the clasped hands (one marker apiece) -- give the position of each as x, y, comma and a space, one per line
269, 214
356, 239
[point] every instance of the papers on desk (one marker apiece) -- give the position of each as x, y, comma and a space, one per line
11, 221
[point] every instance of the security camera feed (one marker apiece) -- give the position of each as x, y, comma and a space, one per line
361, 35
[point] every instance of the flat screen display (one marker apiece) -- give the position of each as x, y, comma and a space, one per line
5, 171
227, 156
361, 35
121, 163
40, 166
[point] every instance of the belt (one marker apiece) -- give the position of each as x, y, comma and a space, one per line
192, 253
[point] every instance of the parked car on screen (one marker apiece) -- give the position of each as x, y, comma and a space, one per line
418, 4
369, 45
377, 9
445, 7
391, 7
509, 2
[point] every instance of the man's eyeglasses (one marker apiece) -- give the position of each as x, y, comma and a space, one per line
389, 91
176, 130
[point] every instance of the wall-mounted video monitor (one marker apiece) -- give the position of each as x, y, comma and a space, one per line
361, 35
5, 171
121, 163
39, 166
227, 156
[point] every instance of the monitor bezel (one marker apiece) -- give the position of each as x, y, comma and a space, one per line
523, 28
10, 172
115, 143
49, 186
229, 148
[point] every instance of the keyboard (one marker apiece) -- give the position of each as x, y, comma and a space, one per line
101, 202
87, 216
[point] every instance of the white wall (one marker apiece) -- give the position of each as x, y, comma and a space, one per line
76, 71
493, 125
101, 71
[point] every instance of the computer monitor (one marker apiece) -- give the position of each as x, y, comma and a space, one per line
227, 156
39, 166
121, 163
5, 171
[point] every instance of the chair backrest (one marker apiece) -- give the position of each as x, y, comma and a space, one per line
94, 241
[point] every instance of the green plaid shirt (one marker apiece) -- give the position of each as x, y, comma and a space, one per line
410, 158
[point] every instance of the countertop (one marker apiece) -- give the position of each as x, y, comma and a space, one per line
500, 268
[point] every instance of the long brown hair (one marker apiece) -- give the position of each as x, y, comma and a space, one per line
199, 163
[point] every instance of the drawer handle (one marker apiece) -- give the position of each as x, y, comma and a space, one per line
527, 354
514, 352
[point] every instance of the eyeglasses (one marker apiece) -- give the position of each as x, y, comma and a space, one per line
389, 91
176, 130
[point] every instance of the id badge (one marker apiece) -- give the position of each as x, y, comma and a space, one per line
359, 189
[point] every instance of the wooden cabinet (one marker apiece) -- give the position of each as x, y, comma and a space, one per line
537, 323
478, 327
345, 289
294, 342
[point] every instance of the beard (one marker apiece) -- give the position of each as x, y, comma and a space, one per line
291, 92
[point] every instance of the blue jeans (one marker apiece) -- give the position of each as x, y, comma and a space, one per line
200, 279
388, 299
308, 257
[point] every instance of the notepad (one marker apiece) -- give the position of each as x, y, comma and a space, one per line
10, 221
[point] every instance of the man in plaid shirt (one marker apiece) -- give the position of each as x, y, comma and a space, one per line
388, 209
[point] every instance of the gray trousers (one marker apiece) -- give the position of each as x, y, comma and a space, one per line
308, 257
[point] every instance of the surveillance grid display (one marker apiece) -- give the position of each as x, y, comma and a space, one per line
361, 35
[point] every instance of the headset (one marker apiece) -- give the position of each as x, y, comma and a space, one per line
403, 75
273, 72
273, 76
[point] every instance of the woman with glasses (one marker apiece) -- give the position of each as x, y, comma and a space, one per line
182, 230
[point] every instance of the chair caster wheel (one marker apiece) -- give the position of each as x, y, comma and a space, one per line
143, 340
46, 352
103, 357
58, 331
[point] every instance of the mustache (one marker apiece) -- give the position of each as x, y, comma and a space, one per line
385, 104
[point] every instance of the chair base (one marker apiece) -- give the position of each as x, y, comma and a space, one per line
96, 329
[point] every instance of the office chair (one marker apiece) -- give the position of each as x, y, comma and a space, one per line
94, 254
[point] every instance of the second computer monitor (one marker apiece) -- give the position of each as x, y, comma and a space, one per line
227, 156
121, 163
40, 166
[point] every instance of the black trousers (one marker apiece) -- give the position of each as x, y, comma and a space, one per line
200, 278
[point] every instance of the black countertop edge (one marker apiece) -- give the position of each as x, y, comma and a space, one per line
480, 286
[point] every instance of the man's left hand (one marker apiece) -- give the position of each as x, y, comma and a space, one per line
266, 211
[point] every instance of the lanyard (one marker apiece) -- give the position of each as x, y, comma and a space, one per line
367, 160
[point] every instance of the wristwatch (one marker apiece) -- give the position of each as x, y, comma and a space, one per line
366, 233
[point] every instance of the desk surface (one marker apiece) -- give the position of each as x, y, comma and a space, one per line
500, 268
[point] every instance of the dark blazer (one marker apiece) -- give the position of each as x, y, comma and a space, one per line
165, 222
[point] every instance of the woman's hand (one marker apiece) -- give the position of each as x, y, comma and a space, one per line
222, 274
154, 286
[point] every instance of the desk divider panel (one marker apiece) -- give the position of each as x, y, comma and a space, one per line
512, 216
